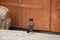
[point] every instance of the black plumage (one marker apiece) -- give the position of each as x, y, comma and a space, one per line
30, 25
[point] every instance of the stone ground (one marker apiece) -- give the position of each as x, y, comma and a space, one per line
22, 35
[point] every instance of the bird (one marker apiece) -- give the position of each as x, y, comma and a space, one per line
30, 25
